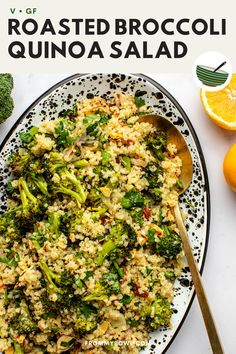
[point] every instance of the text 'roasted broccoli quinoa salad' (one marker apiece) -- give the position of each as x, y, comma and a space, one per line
89, 245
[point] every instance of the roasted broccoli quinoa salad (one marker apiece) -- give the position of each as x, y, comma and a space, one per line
89, 248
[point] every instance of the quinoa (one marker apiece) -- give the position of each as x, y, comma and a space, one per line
89, 248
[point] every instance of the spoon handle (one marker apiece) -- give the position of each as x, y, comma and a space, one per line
198, 285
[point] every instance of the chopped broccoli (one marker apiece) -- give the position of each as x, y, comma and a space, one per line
38, 237
137, 215
18, 348
10, 224
71, 112
157, 144
139, 102
126, 299
151, 238
62, 131
95, 196
27, 137
111, 282
152, 172
81, 163
23, 323
179, 184
156, 194
6, 101
88, 309
106, 157
11, 190
132, 199
107, 247
169, 274
54, 222
126, 162
84, 325
119, 270
11, 261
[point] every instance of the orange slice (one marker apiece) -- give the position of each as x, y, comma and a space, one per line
221, 105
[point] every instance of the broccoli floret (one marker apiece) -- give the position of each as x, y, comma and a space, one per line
98, 213
40, 182
111, 282
99, 293
170, 245
20, 163
84, 325
27, 137
76, 183
132, 199
6, 101
158, 314
23, 323
32, 208
50, 277
9, 224
53, 163
70, 181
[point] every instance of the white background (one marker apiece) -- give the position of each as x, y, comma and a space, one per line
219, 273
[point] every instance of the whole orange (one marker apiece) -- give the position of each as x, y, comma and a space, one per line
229, 167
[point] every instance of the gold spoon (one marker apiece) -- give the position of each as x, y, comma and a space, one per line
175, 137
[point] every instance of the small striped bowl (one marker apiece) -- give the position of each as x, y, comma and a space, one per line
208, 77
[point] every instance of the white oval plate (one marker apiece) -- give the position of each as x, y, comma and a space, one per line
195, 201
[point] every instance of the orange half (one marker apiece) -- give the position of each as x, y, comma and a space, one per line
221, 105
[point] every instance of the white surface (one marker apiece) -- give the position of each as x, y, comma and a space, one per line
219, 273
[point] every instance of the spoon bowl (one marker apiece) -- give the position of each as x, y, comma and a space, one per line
175, 137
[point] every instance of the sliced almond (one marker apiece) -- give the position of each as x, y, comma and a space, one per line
106, 191
158, 230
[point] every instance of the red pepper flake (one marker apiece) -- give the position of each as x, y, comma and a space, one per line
127, 142
147, 212
117, 159
137, 293
144, 294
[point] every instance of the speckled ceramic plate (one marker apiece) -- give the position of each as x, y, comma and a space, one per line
195, 201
